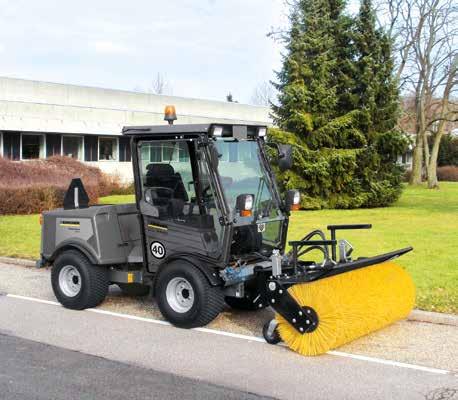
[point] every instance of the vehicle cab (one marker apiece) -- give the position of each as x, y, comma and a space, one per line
206, 192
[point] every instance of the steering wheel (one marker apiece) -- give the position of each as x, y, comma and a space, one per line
152, 193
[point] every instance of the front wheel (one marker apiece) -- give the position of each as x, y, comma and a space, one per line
185, 297
77, 283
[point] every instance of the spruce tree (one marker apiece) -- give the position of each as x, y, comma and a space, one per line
338, 98
307, 99
376, 89
344, 74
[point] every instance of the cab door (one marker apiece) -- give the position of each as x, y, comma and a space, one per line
176, 219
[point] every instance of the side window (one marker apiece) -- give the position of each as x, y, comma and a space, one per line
209, 198
167, 180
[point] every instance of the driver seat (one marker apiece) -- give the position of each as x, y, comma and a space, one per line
164, 176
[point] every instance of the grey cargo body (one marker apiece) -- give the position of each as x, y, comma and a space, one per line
106, 234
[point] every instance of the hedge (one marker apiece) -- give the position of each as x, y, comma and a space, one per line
31, 187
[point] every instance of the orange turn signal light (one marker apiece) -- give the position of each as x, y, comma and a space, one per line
295, 207
246, 213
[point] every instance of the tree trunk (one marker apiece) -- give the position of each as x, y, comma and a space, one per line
426, 152
417, 161
432, 164
432, 172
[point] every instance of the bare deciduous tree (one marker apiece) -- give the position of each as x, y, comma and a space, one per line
446, 114
425, 33
161, 85
263, 94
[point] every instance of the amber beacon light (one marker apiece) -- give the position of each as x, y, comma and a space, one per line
170, 114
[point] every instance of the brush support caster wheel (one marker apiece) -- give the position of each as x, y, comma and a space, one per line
270, 332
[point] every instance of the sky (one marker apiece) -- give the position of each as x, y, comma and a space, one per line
204, 49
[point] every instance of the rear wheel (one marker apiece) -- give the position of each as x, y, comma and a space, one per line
77, 283
185, 297
134, 289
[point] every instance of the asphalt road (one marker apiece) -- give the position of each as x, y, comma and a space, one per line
236, 366
411, 342
36, 371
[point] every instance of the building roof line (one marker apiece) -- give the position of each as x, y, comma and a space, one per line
163, 96
126, 110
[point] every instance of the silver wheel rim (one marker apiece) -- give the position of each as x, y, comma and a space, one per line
180, 295
70, 281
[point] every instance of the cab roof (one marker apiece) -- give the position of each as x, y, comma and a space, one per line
178, 129
166, 129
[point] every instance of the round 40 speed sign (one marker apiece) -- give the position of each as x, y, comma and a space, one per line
158, 250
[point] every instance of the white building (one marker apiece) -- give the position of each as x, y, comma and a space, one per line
40, 119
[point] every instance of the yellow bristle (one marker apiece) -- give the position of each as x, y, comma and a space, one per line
350, 305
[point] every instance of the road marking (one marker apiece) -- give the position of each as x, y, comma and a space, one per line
240, 336
16, 296
389, 362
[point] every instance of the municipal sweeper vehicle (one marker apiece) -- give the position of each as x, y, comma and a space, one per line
209, 227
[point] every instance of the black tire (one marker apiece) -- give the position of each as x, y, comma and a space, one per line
271, 338
93, 284
134, 289
208, 301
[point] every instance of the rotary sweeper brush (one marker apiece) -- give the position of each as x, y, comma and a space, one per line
209, 227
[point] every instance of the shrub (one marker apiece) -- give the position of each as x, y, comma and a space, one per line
448, 151
448, 173
35, 186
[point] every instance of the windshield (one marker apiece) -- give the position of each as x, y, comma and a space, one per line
241, 172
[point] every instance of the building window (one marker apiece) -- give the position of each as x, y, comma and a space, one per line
53, 145
166, 152
12, 145
72, 146
108, 149
124, 149
33, 146
91, 148
169, 152
183, 152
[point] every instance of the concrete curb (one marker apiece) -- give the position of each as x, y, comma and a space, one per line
18, 261
433, 317
415, 315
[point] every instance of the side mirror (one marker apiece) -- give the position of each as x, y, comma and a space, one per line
293, 200
244, 204
285, 157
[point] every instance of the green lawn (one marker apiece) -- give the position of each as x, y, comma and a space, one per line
118, 199
424, 219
